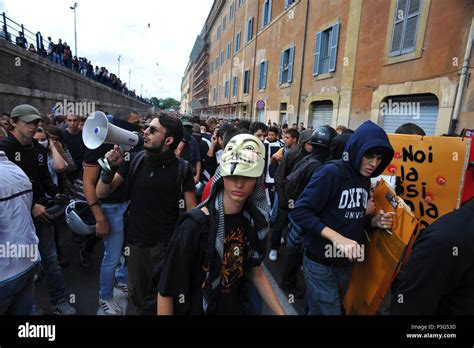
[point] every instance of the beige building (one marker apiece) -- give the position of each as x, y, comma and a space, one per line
341, 62
186, 90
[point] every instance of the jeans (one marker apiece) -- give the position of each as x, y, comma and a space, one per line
326, 287
17, 296
141, 264
49, 261
113, 245
281, 220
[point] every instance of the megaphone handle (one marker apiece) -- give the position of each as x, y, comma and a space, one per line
104, 163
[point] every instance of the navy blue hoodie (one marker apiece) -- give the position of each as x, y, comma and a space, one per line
328, 201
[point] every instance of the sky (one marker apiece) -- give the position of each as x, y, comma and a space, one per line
153, 37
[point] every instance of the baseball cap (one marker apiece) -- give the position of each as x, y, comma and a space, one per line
187, 120
26, 113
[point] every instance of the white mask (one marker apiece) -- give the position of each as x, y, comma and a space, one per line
44, 143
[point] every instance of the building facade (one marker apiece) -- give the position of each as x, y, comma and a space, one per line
342, 62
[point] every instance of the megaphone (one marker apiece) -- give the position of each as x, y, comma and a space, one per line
97, 131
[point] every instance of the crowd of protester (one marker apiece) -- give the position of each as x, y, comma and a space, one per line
61, 53
200, 198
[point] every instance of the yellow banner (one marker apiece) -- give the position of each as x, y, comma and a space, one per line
431, 170
372, 278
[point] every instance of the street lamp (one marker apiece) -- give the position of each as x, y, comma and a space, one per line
75, 31
119, 57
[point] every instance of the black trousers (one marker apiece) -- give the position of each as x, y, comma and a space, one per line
292, 266
281, 221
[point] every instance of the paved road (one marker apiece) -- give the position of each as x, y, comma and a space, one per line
82, 284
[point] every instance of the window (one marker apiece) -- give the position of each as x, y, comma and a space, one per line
267, 13
246, 81
237, 42
234, 86
218, 34
286, 65
228, 50
226, 89
262, 75
249, 29
231, 12
405, 27
222, 57
283, 112
325, 52
218, 91
239, 3
288, 3
215, 93
224, 20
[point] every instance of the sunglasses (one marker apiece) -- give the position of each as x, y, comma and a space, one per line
154, 130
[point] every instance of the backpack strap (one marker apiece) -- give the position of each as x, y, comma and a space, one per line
183, 167
132, 170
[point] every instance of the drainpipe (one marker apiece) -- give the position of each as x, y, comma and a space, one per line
302, 63
462, 81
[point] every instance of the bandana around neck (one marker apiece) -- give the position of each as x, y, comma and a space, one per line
256, 214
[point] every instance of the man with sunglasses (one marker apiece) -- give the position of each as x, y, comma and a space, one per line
153, 186
29, 155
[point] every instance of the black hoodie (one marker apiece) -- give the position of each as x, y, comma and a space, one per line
33, 160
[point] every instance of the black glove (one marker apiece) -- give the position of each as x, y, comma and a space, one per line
108, 175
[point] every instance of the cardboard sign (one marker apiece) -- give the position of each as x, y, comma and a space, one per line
432, 171
372, 278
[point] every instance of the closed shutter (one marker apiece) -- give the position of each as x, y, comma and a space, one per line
398, 27
282, 60
413, 15
322, 113
421, 109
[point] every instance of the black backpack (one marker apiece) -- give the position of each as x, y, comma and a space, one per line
299, 177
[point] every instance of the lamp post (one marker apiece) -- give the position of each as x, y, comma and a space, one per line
75, 31
119, 57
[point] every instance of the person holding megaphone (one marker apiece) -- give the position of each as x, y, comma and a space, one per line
108, 212
154, 181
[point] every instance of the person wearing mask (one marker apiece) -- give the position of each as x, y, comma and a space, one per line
31, 157
220, 245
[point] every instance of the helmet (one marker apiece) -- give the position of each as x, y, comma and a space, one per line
243, 156
322, 136
79, 218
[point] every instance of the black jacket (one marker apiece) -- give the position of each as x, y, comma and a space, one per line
439, 276
33, 160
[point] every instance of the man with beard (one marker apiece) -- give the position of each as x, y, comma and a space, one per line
154, 182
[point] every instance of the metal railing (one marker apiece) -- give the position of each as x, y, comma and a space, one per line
14, 32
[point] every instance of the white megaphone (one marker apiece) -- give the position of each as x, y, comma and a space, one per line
97, 131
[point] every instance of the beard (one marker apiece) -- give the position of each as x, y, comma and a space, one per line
155, 149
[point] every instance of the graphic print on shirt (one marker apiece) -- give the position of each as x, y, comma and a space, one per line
354, 199
233, 261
